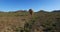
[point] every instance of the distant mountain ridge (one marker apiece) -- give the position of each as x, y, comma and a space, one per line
56, 11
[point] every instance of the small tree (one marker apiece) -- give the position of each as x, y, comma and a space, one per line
30, 11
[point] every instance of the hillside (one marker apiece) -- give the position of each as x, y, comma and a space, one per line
22, 21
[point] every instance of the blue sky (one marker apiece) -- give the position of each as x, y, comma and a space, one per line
36, 5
